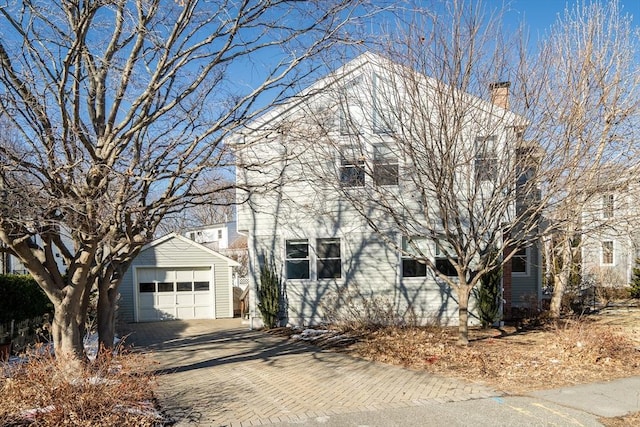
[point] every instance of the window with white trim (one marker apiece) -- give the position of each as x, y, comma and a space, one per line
607, 205
297, 259
385, 166
329, 262
519, 262
413, 254
443, 264
607, 252
486, 160
352, 166
382, 117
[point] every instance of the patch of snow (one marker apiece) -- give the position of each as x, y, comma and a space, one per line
146, 409
31, 414
91, 345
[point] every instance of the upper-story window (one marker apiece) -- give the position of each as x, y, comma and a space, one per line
385, 166
352, 173
382, 119
329, 262
607, 252
519, 262
219, 234
346, 123
486, 159
607, 206
352, 169
297, 259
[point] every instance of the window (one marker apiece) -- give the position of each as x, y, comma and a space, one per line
382, 119
385, 166
413, 264
329, 263
165, 286
519, 262
607, 205
486, 163
443, 264
147, 287
607, 253
346, 125
200, 286
297, 259
351, 172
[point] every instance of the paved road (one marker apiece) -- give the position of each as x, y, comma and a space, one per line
218, 373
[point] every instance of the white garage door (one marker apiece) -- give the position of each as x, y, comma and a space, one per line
177, 293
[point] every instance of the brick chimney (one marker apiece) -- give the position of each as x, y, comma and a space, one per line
500, 94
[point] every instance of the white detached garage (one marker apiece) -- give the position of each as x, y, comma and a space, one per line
176, 278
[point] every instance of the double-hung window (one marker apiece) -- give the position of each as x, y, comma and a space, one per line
329, 263
413, 254
385, 166
381, 114
486, 161
443, 264
352, 170
607, 252
519, 262
297, 259
607, 206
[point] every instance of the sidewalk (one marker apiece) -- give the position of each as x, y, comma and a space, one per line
608, 399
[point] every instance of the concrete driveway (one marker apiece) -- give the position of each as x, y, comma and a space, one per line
219, 373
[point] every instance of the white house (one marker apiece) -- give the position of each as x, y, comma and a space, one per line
611, 239
319, 169
216, 236
176, 278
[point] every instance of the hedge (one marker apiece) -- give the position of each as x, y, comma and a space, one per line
21, 298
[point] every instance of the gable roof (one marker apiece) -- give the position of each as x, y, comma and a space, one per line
354, 68
183, 239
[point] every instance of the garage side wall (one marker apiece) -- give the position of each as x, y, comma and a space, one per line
175, 253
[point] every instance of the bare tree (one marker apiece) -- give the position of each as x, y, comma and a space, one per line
455, 155
121, 107
583, 102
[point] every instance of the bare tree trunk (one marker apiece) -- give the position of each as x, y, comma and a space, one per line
463, 315
561, 279
106, 317
66, 333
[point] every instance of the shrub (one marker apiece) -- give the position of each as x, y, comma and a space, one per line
634, 290
21, 298
114, 390
351, 310
488, 297
269, 296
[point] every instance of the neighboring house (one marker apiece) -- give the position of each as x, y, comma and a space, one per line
11, 264
218, 237
611, 240
225, 239
176, 278
322, 248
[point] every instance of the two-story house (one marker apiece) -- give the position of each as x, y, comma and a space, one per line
362, 190
611, 230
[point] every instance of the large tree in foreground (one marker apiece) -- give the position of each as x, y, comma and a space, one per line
119, 108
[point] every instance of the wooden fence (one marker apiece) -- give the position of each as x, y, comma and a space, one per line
24, 333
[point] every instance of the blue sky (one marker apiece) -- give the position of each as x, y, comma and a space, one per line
539, 15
